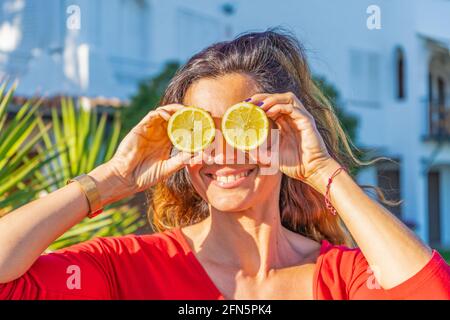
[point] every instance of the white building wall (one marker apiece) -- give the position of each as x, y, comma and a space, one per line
128, 40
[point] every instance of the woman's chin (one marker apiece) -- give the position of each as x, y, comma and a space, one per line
229, 209
229, 204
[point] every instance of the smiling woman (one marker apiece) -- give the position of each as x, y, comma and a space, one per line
226, 73
226, 229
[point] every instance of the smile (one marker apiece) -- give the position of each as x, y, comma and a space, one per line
228, 181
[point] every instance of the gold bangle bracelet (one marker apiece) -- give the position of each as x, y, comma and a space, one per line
89, 188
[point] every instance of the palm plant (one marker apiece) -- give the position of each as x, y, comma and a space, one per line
75, 141
17, 138
85, 142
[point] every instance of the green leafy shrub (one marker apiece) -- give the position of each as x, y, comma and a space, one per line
38, 158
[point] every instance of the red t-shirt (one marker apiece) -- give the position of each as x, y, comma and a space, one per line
162, 266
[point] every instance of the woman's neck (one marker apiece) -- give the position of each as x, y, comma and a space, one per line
253, 241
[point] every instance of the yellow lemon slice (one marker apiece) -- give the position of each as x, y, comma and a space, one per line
245, 126
191, 129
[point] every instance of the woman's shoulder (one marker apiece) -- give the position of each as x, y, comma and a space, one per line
110, 267
340, 258
340, 270
329, 249
165, 242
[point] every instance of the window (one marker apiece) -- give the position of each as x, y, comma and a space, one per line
438, 96
434, 208
441, 91
400, 73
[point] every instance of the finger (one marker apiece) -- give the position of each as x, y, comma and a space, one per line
162, 112
207, 154
275, 110
171, 108
285, 125
268, 100
257, 98
197, 159
176, 162
151, 117
278, 98
295, 101
154, 125
293, 113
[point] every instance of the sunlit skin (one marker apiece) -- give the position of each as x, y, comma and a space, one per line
242, 245
216, 96
257, 254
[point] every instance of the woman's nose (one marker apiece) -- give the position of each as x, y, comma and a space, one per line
220, 152
223, 153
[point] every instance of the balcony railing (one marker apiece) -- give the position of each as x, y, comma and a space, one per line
438, 122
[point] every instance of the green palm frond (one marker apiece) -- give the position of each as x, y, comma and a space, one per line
37, 158
83, 140
111, 222
17, 138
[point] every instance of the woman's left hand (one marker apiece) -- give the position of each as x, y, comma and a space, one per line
302, 150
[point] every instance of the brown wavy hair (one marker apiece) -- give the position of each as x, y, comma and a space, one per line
277, 63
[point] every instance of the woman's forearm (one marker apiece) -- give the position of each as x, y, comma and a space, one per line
27, 231
392, 250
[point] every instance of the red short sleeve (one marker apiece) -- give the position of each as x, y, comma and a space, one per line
431, 282
346, 274
157, 266
76, 272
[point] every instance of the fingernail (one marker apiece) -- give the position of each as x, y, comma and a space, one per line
247, 100
259, 104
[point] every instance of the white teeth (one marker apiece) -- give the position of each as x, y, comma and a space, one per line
230, 178
222, 179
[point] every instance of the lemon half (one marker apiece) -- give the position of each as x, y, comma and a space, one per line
191, 129
245, 126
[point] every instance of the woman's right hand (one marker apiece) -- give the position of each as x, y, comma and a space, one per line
142, 158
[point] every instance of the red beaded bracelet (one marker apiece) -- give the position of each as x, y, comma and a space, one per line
327, 193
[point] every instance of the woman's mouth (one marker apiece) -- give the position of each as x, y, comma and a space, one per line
231, 180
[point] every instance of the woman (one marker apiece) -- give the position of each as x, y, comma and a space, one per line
224, 235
